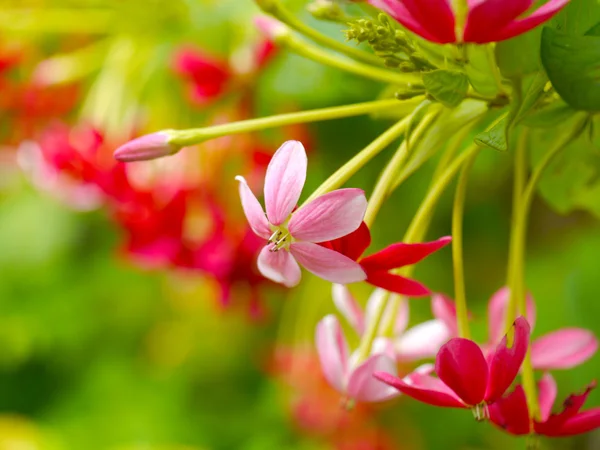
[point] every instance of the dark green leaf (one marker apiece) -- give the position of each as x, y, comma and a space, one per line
449, 87
496, 135
520, 55
573, 65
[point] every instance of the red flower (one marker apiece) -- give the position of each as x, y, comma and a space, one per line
511, 413
486, 21
466, 379
378, 265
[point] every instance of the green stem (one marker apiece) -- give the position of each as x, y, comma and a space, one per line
460, 298
193, 136
517, 253
278, 11
382, 189
343, 174
366, 342
494, 67
364, 70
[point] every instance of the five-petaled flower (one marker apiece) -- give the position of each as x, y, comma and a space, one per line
465, 378
486, 20
379, 266
512, 414
293, 235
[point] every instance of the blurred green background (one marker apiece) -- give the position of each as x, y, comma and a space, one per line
97, 353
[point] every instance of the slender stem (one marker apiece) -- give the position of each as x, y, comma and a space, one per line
196, 135
517, 254
280, 12
460, 298
316, 54
343, 174
382, 189
366, 342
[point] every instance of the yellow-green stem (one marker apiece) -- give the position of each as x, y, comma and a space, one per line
193, 136
382, 188
343, 174
278, 11
460, 298
348, 65
364, 348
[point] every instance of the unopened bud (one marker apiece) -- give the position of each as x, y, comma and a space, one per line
150, 146
271, 28
326, 10
268, 5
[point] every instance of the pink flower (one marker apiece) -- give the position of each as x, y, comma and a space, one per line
486, 21
466, 379
379, 266
561, 349
292, 235
342, 370
415, 343
143, 148
512, 414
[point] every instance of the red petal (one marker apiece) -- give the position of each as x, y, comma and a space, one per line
423, 388
510, 413
506, 362
486, 18
401, 254
396, 283
352, 245
580, 423
461, 365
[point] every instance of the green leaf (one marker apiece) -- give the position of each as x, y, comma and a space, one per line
496, 135
520, 55
449, 87
479, 71
549, 116
534, 89
573, 66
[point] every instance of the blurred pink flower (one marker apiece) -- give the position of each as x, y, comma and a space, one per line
418, 342
560, 349
344, 372
292, 234
379, 265
466, 379
512, 414
486, 21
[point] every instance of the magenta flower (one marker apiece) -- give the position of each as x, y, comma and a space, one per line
561, 349
418, 342
512, 414
465, 378
342, 369
293, 235
486, 21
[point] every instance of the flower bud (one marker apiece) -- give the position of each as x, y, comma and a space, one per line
150, 146
271, 28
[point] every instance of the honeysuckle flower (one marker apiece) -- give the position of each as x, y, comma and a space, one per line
293, 235
486, 20
511, 412
409, 344
465, 378
561, 349
378, 266
343, 370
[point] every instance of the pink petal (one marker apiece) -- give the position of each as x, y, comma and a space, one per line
423, 388
497, 310
506, 361
402, 314
347, 305
254, 212
376, 299
398, 10
401, 254
487, 17
279, 266
444, 309
460, 364
364, 387
144, 148
329, 216
397, 283
284, 181
546, 395
352, 245
563, 349
383, 346
327, 264
541, 15
333, 351
422, 341
511, 413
